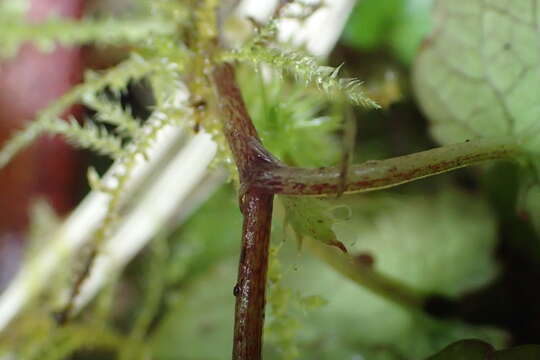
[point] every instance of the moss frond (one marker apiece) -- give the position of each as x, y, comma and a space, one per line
111, 112
19, 141
170, 95
88, 136
305, 68
205, 15
132, 153
115, 186
134, 68
292, 121
282, 326
173, 10
109, 31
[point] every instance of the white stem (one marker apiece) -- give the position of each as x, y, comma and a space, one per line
320, 32
74, 233
176, 181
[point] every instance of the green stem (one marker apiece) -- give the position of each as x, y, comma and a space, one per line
380, 174
366, 276
63, 342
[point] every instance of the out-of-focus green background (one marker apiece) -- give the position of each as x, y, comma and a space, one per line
460, 238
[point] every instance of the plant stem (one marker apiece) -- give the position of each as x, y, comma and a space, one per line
251, 285
249, 154
379, 174
256, 206
262, 176
367, 277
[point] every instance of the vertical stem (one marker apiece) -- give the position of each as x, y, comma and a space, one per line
256, 206
241, 135
251, 285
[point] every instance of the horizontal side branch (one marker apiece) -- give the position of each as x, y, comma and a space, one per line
380, 174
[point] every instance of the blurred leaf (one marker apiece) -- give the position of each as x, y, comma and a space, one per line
532, 205
199, 325
195, 248
442, 244
369, 23
197, 321
313, 302
357, 323
525, 352
465, 350
397, 25
479, 350
429, 242
491, 88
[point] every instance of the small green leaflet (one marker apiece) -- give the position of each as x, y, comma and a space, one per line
313, 217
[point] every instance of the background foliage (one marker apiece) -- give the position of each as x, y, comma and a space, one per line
466, 241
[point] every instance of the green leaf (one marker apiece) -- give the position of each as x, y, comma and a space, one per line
369, 23
491, 88
478, 75
425, 241
465, 350
397, 25
312, 217
355, 322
